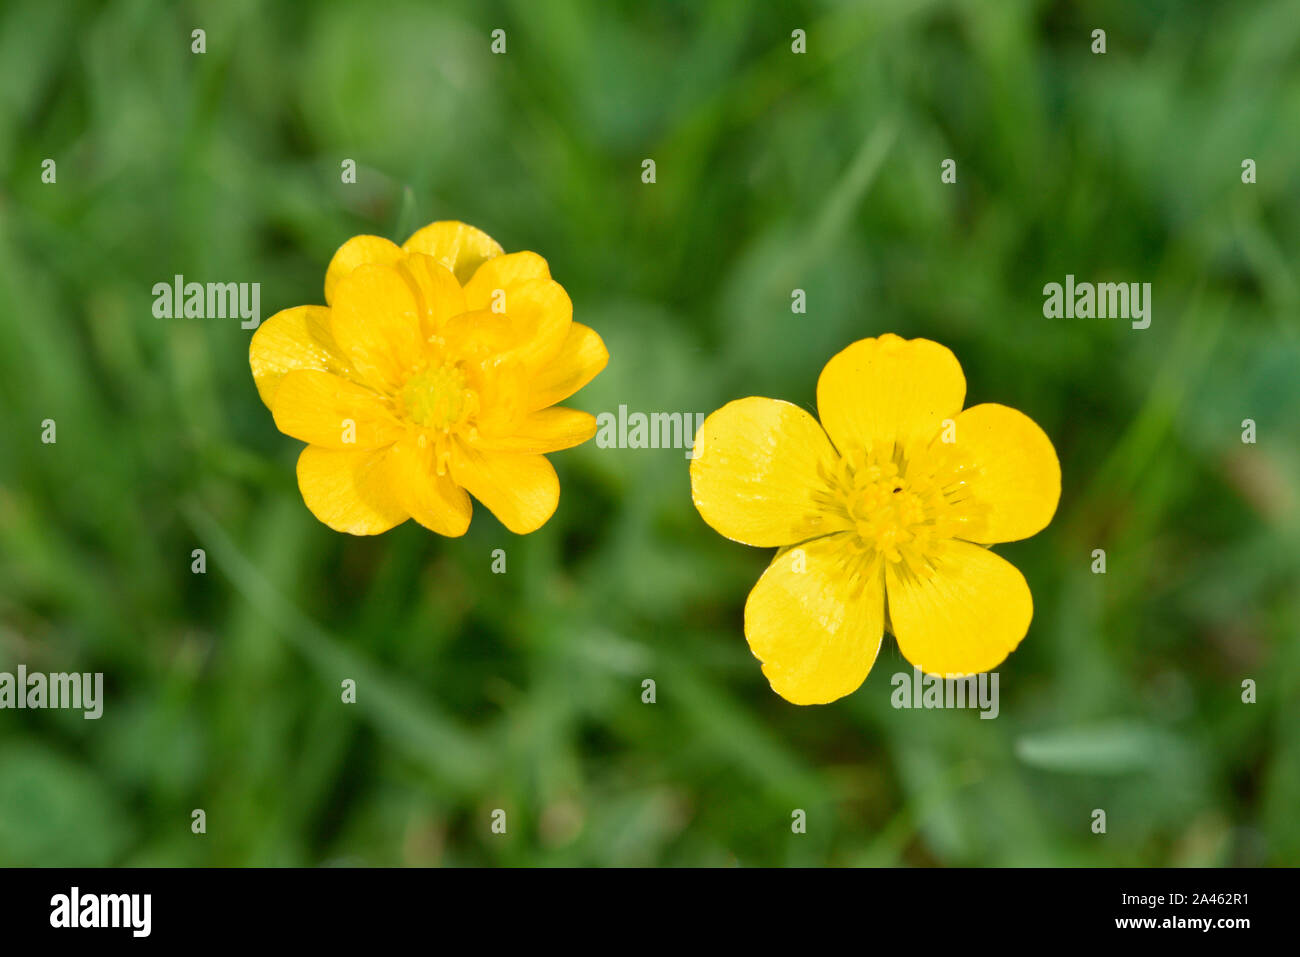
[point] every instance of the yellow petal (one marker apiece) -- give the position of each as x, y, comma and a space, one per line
297, 338
759, 474
549, 430
541, 315
581, 357
349, 491
438, 294
1011, 479
889, 390
376, 325
481, 343
493, 280
459, 247
815, 619
522, 491
966, 617
477, 335
358, 251
322, 409
433, 500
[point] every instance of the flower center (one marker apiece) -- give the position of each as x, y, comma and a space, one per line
440, 403
902, 503
438, 398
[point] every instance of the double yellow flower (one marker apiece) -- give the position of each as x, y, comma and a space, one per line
433, 372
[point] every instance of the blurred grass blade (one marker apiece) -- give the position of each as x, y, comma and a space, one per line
1112, 748
432, 739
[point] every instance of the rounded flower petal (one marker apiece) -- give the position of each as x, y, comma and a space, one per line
522, 491
889, 390
483, 342
439, 296
759, 475
359, 251
497, 276
297, 338
540, 314
459, 247
325, 410
433, 500
965, 617
548, 430
1011, 479
350, 491
581, 358
815, 619
375, 323
477, 335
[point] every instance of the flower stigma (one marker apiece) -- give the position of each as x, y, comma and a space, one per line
440, 402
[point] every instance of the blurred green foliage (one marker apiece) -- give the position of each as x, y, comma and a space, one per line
776, 171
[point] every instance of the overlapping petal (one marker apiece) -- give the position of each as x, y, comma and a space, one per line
581, 358
359, 251
889, 390
1010, 476
433, 500
540, 314
457, 246
492, 282
522, 491
375, 323
815, 619
438, 296
297, 338
964, 618
334, 413
548, 430
759, 475
350, 491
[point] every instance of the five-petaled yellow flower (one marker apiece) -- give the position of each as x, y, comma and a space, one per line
434, 371
882, 513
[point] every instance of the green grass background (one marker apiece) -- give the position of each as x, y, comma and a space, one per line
776, 171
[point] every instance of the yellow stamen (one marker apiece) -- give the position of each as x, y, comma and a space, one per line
903, 501
437, 397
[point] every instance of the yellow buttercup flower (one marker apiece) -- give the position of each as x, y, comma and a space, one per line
433, 372
882, 514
